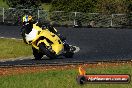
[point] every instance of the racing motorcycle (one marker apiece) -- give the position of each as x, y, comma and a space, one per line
48, 43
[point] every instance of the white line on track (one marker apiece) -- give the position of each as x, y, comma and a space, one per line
10, 38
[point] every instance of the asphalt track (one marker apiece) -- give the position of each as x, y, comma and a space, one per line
96, 44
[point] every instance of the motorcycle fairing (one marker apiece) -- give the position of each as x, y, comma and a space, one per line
57, 45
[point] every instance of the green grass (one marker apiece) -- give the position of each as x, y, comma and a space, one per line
3, 4
46, 6
63, 78
10, 48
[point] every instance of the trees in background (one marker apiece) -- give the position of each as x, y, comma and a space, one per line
111, 6
46, 1
25, 4
73, 5
94, 6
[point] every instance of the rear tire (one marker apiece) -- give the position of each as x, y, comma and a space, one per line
69, 54
47, 52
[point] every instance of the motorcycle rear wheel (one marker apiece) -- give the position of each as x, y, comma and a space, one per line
69, 54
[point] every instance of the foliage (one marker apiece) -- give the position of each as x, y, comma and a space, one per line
73, 5
94, 6
88, 6
111, 6
3, 4
25, 4
46, 1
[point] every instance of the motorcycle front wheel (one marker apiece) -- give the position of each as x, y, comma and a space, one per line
37, 55
47, 52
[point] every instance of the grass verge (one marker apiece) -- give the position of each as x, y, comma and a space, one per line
46, 6
3, 4
64, 78
11, 48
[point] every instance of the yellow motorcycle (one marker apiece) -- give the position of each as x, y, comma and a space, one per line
48, 43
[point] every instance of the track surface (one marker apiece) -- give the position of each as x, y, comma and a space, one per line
95, 45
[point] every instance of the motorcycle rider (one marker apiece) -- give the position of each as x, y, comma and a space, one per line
30, 32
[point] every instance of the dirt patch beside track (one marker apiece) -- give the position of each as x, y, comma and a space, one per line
4, 71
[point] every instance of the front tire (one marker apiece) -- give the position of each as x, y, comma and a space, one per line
47, 52
37, 55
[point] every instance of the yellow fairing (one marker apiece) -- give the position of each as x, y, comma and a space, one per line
57, 48
56, 45
45, 42
37, 27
